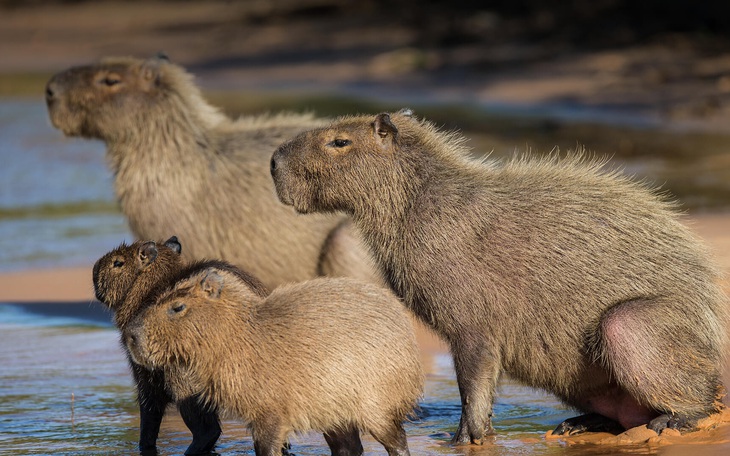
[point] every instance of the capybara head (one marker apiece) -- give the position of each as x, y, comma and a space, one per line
332, 168
115, 98
115, 273
190, 315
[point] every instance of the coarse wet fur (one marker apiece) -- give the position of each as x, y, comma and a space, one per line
182, 166
330, 354
125, 279
566, 276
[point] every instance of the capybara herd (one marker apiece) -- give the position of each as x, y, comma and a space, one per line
291, 313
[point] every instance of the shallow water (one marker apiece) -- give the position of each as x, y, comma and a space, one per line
57, 205
65, 389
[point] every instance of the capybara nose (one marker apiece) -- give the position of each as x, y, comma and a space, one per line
273, 164
51, 91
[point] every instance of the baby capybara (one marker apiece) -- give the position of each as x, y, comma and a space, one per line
566, 276
123, 279
335, 355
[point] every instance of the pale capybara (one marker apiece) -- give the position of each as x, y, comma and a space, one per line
330, 354
125, 280
181, 166
566, 276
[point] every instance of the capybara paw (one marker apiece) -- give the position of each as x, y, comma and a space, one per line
591, 422
670, 421
464, 437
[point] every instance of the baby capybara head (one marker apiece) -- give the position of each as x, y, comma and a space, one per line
107, 98
116, 271
330, 168
192, 320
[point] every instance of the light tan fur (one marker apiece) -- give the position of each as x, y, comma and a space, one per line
182, 166
335, 355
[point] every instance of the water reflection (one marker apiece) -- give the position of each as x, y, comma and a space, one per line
65, 389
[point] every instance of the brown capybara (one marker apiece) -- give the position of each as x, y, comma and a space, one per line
182, 166
330, 354
568, 277
125, 279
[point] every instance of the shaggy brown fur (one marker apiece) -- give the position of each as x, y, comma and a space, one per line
337, 355
125, 279
182, 166
568, 277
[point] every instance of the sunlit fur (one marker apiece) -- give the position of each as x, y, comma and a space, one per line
129, 278
326, 354
182, 166
565, 275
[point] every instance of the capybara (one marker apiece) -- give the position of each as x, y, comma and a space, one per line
332, 354
124, 280
182, 166
567, 276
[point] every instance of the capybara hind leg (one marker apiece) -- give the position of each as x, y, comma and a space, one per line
393, 439
344, 442
477, 374
664, 357
203, 423
671, 421
590, 422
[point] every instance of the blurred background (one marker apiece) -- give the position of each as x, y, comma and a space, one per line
645, 83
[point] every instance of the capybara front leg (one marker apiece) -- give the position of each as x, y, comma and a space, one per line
393, 438
268, 438
153, 400
590, 422
477, 374
344, 442
202, 422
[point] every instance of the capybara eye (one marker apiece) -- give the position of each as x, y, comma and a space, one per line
178, 308
118, 263
340, 143
110, 81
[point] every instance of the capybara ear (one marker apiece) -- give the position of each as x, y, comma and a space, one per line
383, 127
150, 71
162, 55
408, 112
174, 244
212, 284
147, 253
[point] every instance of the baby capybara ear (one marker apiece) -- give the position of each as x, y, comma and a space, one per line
174, 244
212, 284
147, 254
384, 128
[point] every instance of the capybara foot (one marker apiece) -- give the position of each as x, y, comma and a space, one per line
590, 422
464, 437
682, 423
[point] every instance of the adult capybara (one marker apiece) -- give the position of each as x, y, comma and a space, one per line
330, 354
182, 166
125, 279
567, 277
